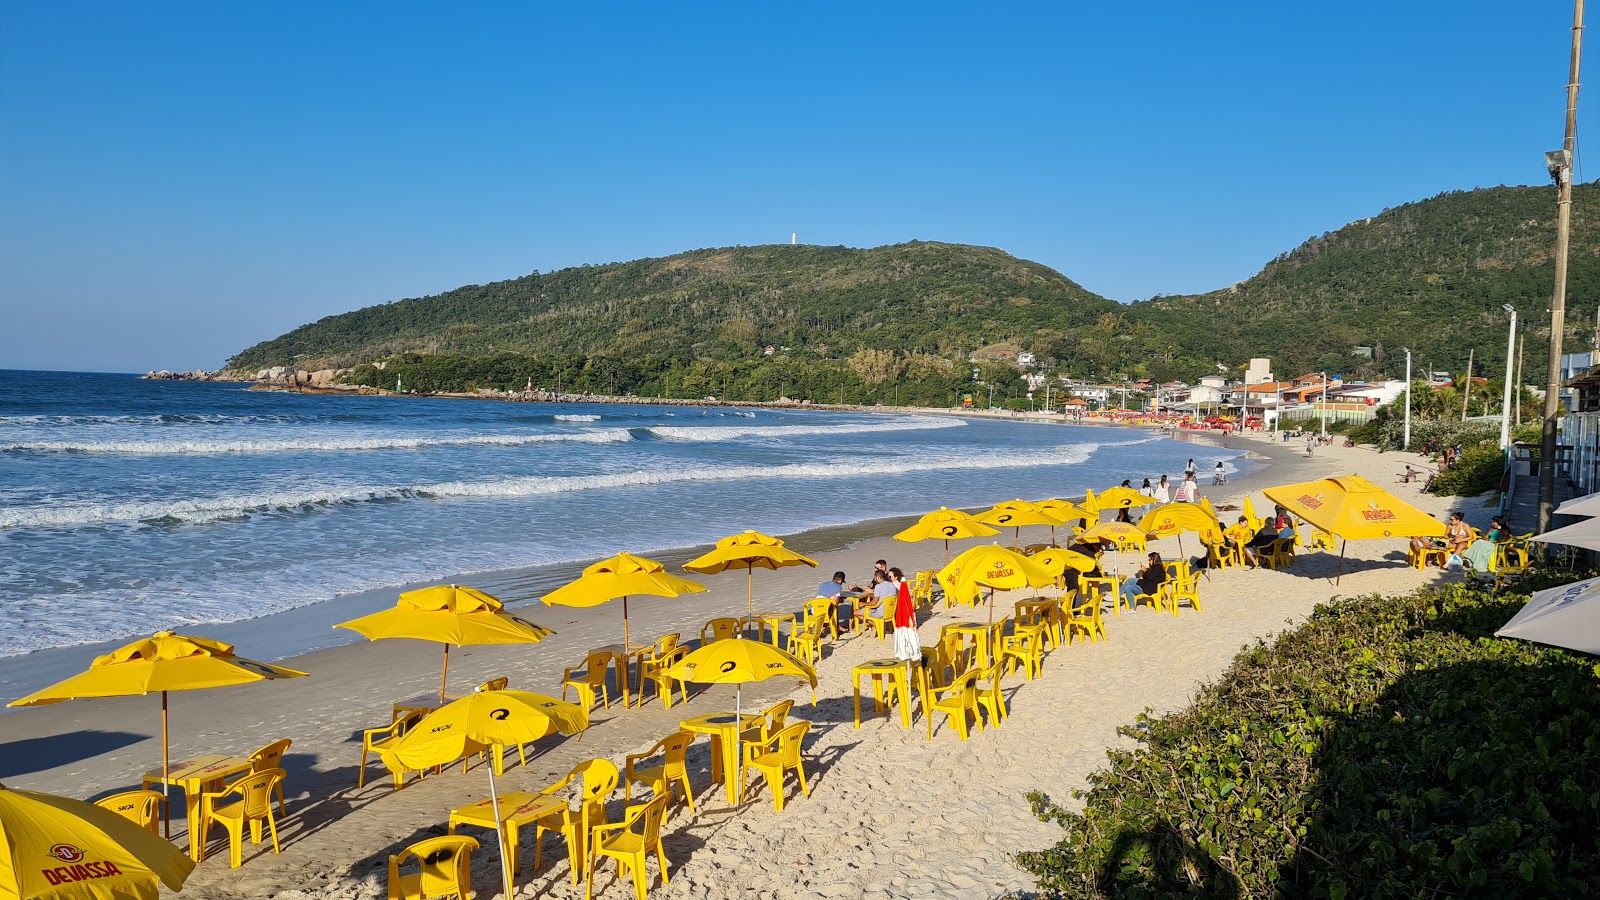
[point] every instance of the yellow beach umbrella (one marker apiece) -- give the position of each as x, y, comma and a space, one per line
1091, 504
994, 567
1121, 497
1056, 561
623, 575
739, 663
946, 525
483, 720
1017, 513
448, 614
160, 663
749, 551
1121, 534
1353, 509
1065, 510
57, 848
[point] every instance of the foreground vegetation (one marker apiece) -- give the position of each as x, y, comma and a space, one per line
1388, 747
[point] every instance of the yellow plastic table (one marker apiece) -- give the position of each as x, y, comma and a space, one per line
422, 702
879, 671
723, 729
1107, 584
1048, 612
517, 808
194, 775
624, 661
772, 620
979, 633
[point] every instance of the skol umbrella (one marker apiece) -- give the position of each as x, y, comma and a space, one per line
1120, 497
483, 720
162, 662
57, 848
946, 525
1065, 510
991, 566
739, 663
449, 615
1017, 513
623, 575
749, 551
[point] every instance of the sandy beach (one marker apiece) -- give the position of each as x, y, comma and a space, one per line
891, 814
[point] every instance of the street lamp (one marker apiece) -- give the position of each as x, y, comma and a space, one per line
1505, 403
1405, 441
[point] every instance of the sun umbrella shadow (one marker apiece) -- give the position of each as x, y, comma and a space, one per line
29, 755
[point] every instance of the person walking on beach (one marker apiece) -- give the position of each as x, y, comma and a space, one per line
1190, 470
1148, 489
1311, 442
1163, 491
1188, 491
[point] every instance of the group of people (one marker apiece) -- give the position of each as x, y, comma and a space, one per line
1249, 542
1461, 547
1163, 491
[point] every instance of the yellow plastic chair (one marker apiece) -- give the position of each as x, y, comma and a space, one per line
823, 610
669, 777
629, 847
989, 696
922, 590
773, 719
1279, 553
935, 668
806, 641
589, 680
253, 806
883, 620
653, 670
777, 755
955, 652
445, 869
1222, 556
1186, 588
598, 779
719, 630
1024, 649
1083, 619
957, 701
1513, 562
143, 808
271, 757
377, 740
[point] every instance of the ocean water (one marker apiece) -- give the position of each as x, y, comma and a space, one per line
128, 505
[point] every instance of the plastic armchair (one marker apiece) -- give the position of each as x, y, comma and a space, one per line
772, 720
825, 611
599, 778
253, 806
957, 700
1186, 588
934, 665
922, 589
629, 847
720, 629
1024, 649
445, 869
777, 755
989, 696
1222, 556
669, 777
883, 620
1278, 553
271, 757
1082, 619
143, 808
653, 670
377, 740
589, 680
806, 641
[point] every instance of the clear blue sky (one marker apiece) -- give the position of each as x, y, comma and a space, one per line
179, 181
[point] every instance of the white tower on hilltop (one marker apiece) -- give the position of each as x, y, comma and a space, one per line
794, 238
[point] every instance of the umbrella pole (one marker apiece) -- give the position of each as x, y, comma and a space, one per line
750, 595
445, 675
166, 807
500, 832
947, 551
738, 736
622, 670
1340, 572
991, 606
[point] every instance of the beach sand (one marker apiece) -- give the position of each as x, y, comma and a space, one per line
891, 814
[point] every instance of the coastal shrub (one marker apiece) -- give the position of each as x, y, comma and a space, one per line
1388, 747
1478, 469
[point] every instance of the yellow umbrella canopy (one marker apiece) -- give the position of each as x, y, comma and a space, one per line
738, 663
1056, 561
1353, 509
162, 662
448, 614
1120, 497
1176, 518
1017, 513
1120, 533
57, 848
946, 525
623, 575
991, 566
482, 720
750, 550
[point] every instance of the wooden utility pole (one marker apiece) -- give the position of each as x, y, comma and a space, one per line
1561, 170
1522, 346
1468, 391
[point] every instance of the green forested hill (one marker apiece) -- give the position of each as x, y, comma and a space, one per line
899, 322
1430, 275
948, 299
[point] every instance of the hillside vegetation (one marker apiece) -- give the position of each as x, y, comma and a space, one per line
901, 321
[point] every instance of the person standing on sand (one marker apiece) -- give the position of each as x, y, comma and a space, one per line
1148, 490
1188, 491
1163, 491
1311, 442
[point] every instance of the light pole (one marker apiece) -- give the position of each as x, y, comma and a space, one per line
1405, 440
1324, 404
1505, 403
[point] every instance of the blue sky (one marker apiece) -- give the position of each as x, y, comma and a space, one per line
179, 181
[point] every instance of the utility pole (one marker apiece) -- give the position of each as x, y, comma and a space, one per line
1560, 166
1505, 402
1405, 441
1522, 352
1324, 404
1467, 392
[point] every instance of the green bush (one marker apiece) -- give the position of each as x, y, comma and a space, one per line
1389, 747
1478, 469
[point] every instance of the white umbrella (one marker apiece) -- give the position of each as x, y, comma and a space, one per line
1566, 616
1585, 534
1587, 505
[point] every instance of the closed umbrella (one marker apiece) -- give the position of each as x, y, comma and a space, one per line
162, 662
